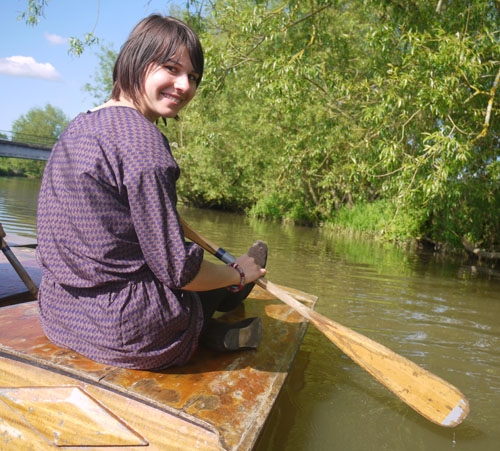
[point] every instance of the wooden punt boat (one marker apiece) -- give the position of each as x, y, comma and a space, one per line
52, 397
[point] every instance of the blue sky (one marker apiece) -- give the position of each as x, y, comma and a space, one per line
35, 67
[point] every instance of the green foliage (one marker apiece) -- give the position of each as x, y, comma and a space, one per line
380, 218
102, 84
77, 45
19, 167
350, 104
41, 126
35, 9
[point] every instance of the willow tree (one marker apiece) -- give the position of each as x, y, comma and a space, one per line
311, 107
267, 117
437, 139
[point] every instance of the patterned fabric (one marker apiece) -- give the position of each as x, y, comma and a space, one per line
111, 247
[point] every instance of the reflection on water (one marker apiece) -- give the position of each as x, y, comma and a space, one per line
443, 316
18, 199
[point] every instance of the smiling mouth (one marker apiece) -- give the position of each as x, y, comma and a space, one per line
173, 99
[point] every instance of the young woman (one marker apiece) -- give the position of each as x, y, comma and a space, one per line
120, 284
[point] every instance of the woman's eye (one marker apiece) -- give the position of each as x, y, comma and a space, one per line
174, 70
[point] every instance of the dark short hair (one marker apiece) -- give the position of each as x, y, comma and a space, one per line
155, 39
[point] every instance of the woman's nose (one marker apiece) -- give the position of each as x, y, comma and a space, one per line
182, 83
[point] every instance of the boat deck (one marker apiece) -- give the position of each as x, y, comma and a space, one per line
217, 401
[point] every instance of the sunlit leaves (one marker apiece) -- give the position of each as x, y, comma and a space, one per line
77, 45
102, 83
35, 9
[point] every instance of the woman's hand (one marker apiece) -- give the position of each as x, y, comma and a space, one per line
251, 269
212, 276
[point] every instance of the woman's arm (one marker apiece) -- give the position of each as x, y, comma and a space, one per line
212, 276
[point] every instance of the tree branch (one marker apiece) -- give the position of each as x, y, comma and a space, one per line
478, 253
489, 108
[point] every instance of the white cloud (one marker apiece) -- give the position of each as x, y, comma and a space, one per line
26, 66
55, 39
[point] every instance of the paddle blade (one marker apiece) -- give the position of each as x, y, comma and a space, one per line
426, 393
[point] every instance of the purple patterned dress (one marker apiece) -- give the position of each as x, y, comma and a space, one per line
111, 247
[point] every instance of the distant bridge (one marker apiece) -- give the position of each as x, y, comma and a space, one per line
22, 150
20, 145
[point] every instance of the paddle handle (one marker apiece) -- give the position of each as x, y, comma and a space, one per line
210, 247
25, 277
223, 255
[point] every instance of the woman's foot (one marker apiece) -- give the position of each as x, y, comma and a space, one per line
223, 337
259, 253
246, 334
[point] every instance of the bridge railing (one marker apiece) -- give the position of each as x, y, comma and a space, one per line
25, 146
39, 141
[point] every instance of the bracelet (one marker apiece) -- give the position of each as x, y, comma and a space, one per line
237, 288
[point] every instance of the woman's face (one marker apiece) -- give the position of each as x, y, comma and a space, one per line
168, 88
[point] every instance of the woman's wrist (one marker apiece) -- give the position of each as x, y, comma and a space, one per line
241, 285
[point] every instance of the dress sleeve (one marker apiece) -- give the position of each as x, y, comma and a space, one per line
151, 188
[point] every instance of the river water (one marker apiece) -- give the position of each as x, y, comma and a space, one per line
443, 315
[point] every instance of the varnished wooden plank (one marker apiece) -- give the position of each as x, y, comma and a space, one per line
67, 416
158, 429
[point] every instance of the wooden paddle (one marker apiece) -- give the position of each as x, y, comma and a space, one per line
428, 394
17, 266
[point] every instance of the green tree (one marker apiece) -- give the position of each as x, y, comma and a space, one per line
102, 84
279, 104
433, 114
41, 126
330, 105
